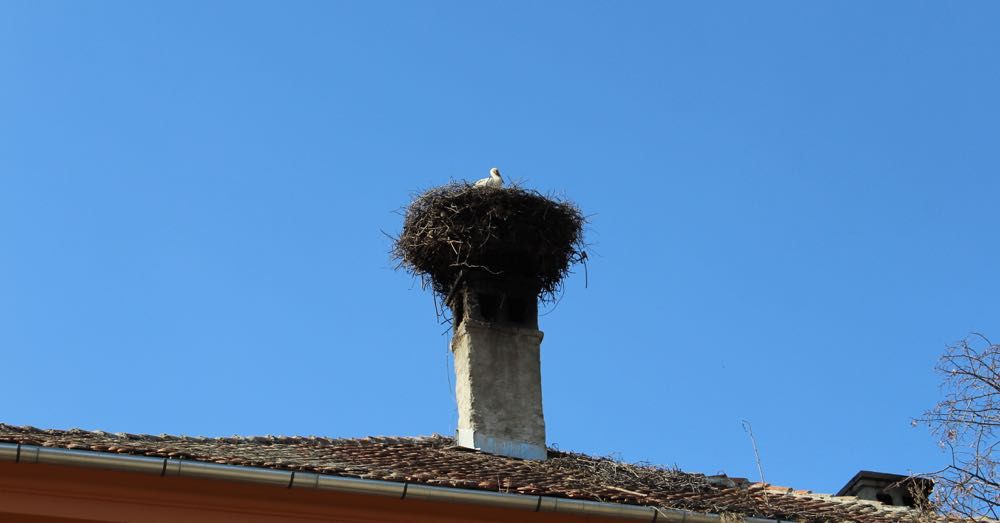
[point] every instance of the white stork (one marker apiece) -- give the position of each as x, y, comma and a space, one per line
495, 180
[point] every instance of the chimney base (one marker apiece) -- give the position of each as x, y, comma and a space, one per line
472, 439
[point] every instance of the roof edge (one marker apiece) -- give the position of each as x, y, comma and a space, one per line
30, 454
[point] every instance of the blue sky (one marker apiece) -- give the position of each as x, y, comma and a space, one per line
793, 209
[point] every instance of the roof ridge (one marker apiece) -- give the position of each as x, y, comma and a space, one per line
270, 438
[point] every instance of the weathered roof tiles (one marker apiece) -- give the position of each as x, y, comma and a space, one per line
435, 460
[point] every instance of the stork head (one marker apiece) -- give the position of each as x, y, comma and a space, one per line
495, 172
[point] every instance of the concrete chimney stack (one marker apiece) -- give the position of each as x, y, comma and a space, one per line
490, 252
498, 378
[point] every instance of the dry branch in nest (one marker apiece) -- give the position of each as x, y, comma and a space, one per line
497, 233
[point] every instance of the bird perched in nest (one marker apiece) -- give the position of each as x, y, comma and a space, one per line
495, 180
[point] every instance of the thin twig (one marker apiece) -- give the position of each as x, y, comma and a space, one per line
749, 430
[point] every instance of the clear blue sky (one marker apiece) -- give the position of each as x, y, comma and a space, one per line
794, 209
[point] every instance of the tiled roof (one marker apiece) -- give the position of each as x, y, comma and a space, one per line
435, 460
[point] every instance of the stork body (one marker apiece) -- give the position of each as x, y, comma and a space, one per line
495, 180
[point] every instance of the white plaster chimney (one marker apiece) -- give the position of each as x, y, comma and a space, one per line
498, 384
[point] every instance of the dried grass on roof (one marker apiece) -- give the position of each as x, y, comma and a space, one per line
501, 233
634, 480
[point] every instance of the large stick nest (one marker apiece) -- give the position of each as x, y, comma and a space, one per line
507, 234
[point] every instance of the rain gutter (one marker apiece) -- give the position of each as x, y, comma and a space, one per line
19, 453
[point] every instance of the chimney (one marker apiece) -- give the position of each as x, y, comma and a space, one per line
890, 489
498, 378
490, 253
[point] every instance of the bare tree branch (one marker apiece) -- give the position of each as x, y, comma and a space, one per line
966, 422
